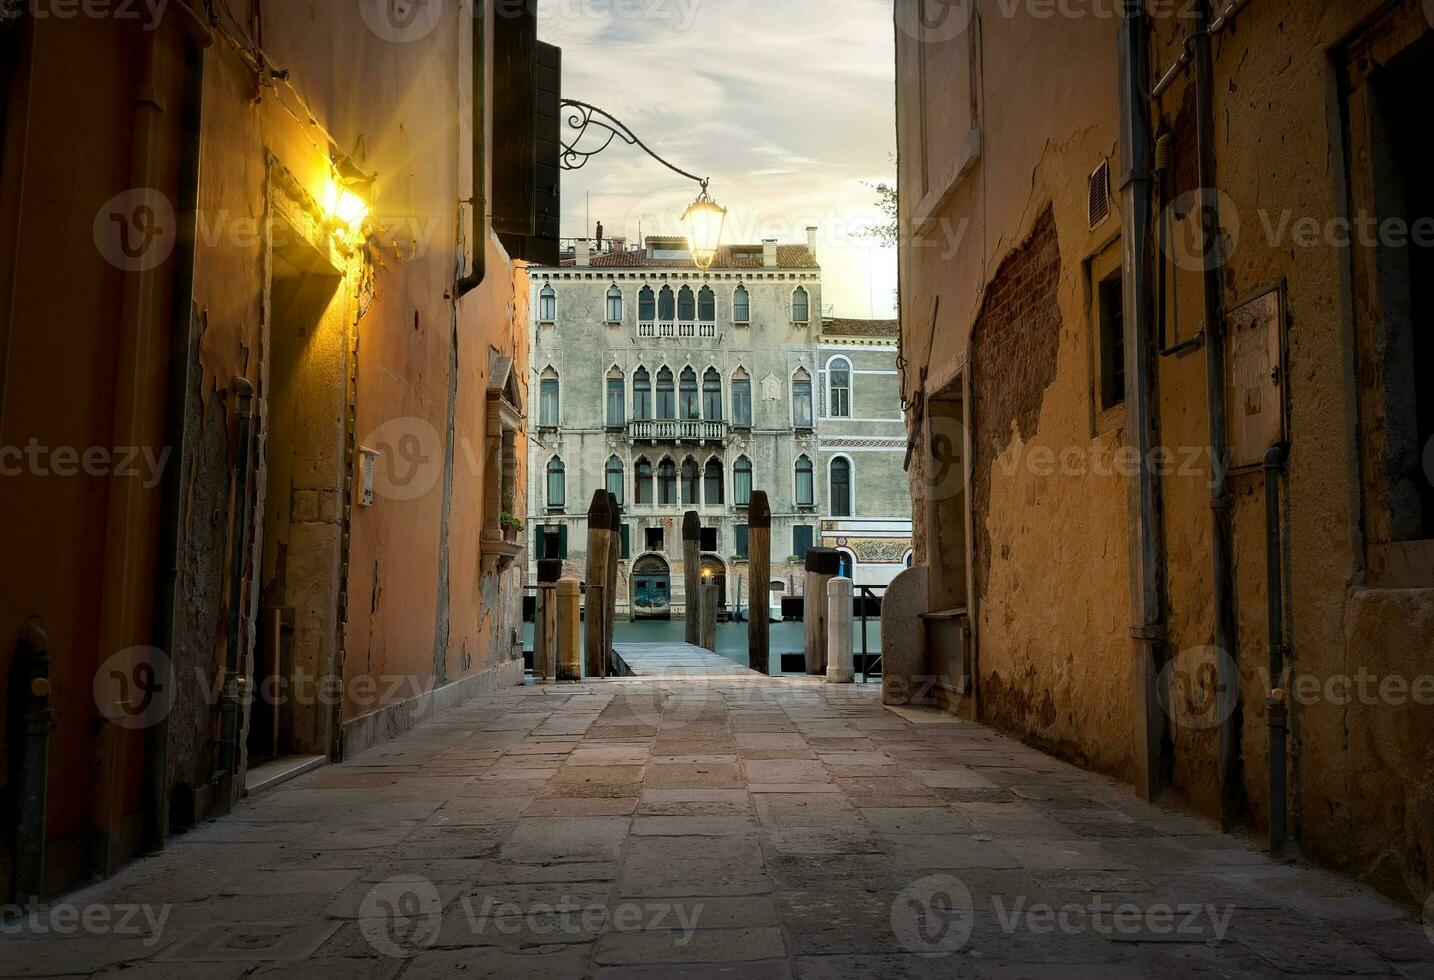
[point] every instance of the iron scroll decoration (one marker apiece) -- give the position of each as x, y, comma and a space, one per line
585, 120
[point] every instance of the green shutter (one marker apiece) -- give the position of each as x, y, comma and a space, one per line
626, 542
562, 541
801, 540
742, 544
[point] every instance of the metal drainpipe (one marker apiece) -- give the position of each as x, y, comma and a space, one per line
1222, 532
478, 203
234, 681
1277, 700
32, 721
181, 351
1147, 582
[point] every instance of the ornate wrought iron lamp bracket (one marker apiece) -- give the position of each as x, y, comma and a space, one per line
585, 120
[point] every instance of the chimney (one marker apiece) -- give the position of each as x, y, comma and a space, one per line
812, 240
619, 245
769, 253
584, 252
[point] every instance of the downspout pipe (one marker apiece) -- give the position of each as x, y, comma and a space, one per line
1142, 406
232, 694
181, 354
478, 203
1232, 797
1277, 701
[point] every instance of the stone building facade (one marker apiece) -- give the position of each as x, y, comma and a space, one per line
1119, 294
682, 390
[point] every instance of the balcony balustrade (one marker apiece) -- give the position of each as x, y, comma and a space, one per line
671, 430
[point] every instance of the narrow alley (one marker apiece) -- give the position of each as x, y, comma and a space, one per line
717, 825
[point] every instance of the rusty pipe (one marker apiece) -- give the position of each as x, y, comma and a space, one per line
1277, 700
32, 720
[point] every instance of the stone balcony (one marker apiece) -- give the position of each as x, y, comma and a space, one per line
670, 430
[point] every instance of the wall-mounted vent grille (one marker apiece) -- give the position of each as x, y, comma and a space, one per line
1099, 208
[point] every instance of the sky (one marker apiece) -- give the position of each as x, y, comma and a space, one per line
787, 105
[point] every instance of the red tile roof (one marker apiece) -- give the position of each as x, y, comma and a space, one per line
861, 328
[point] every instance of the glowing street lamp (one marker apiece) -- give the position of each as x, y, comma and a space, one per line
704, 219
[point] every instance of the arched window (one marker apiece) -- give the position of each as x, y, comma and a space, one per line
840, 496
614, 304
687, 403
647, 305
666, 396
806, 486
742, 482
642, 481
741, 306
615, 479
557, 484
741, 399
712, 395
686, 305
547, 305
802, 399
801, 305
839, 388
667, 483
706, 305
616, 400
712, 482
642, 395
690, 497
548, 399
666, 305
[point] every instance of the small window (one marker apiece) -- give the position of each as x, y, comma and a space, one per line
806, 485
741, 306
742, 400
1112, 341
709, 539
647, 305
667, 483
743, 542
652, 538
642, 395
742, 482
839, 383
841, 487
614, 305
625, 533
687, 396
713, 483
712, 395
616, 397
642, 481
689, 483
801, 305
548, 305
548, 400
801, 540
706, 305
557, 485
666, 396
686, 305
552, 543
802, 400
615, 473
666, 305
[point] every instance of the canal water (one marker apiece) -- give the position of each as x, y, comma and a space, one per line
787, 637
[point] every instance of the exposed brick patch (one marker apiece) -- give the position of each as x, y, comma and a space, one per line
1013, 362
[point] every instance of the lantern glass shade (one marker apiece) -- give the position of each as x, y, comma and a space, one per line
704, 221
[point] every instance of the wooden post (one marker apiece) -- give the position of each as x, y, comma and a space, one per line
759, 565
545, 629
822, 566
692, 575
569, 598
710, 599
600, 544
614, 556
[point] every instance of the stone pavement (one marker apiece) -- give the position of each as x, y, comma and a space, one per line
734, 827
682, 660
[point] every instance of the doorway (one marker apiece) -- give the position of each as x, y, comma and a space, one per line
651, 588
303, 453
